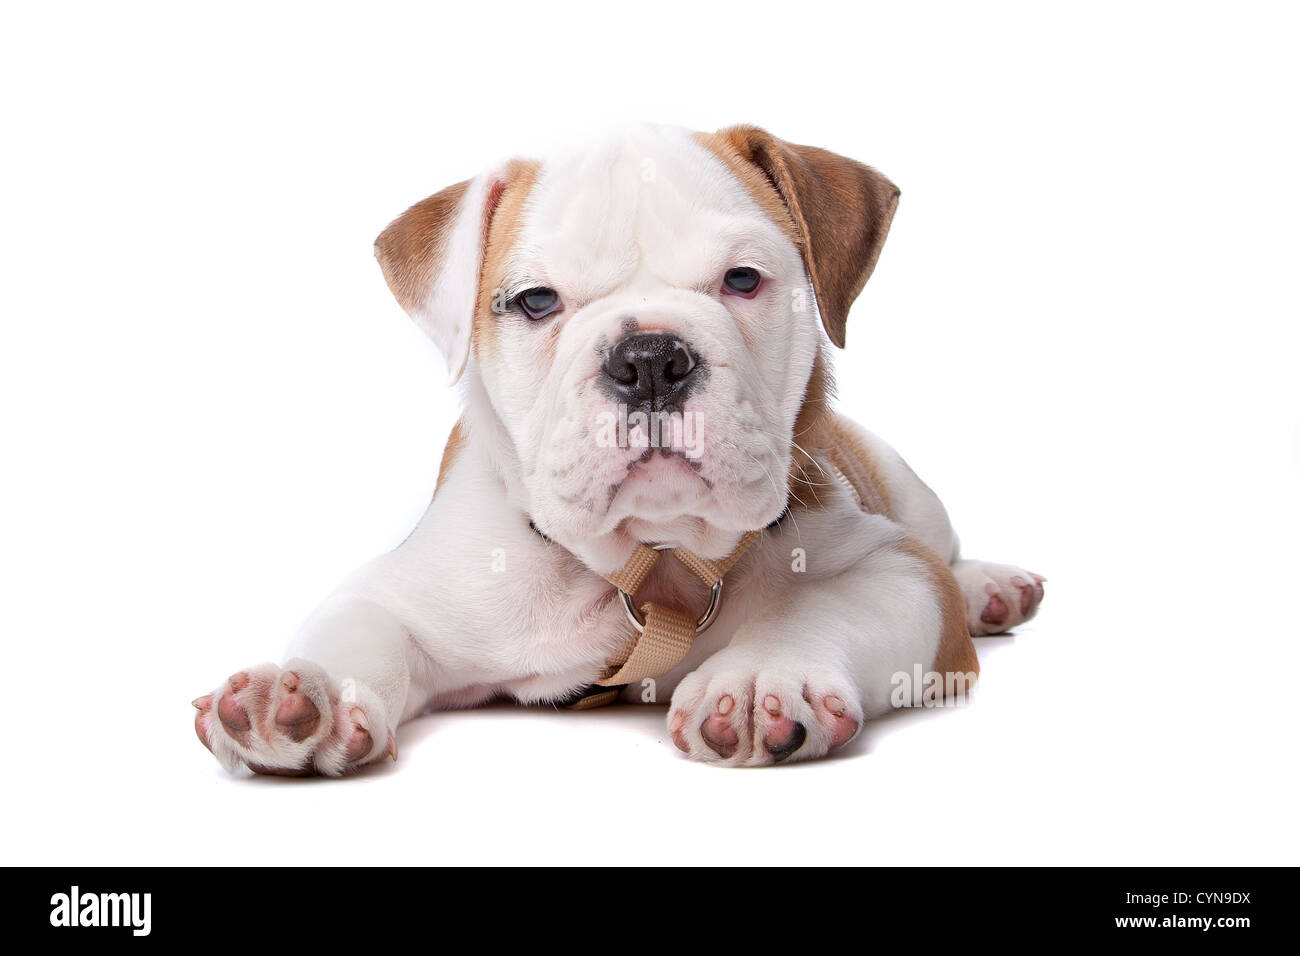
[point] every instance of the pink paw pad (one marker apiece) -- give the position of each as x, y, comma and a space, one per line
231, 712
296, 716
766, 718
292, 721
999, 597
783, 735
996, 611
834, 716
717, 730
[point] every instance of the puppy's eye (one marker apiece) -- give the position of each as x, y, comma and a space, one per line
742, 281
539, 303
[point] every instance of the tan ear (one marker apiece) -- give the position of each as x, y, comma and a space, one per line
432, 256
841, 209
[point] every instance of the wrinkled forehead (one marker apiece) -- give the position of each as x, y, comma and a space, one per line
656, 202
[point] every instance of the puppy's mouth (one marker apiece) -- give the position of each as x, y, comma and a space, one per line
702, 465
665, 467
659, 483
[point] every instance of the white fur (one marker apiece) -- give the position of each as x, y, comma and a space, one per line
445, 315
641, 226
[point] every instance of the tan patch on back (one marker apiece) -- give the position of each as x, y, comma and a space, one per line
503, 219
849, 453
956, 653
807, 478
450, 451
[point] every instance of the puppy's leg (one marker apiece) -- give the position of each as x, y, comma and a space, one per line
333, 706
817, 657
998, 596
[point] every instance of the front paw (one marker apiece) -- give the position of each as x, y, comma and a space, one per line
738, 715
294, 721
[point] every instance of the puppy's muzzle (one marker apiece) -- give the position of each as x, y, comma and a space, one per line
650, 371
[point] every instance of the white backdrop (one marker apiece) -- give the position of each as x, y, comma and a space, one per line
1082, 333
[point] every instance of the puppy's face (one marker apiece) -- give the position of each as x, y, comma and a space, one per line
643, 316
644, 352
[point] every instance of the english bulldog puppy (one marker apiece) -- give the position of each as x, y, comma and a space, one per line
642, 331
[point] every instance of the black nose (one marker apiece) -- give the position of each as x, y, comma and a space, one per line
650, 370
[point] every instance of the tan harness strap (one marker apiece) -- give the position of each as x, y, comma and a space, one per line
590, 701
660, 647
668, 633
632, 575
711, 571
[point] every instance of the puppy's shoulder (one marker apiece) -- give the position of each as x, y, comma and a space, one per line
864, 462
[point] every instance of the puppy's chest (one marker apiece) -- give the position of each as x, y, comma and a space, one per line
575, 616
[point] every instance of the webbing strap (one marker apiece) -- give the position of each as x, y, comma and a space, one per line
658, 648
711, 572
632, 575
668, 632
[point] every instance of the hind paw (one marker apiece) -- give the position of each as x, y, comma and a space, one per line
998, 596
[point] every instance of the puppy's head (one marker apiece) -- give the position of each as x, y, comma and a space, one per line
642, 316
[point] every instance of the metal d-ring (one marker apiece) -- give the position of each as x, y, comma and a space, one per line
715, 603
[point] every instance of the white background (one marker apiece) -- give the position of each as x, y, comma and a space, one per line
1082, 333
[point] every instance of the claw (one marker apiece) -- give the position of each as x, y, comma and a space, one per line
200, 728
1026, 594
391, 749
359, 718
359, 741
675, 727
842, 727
